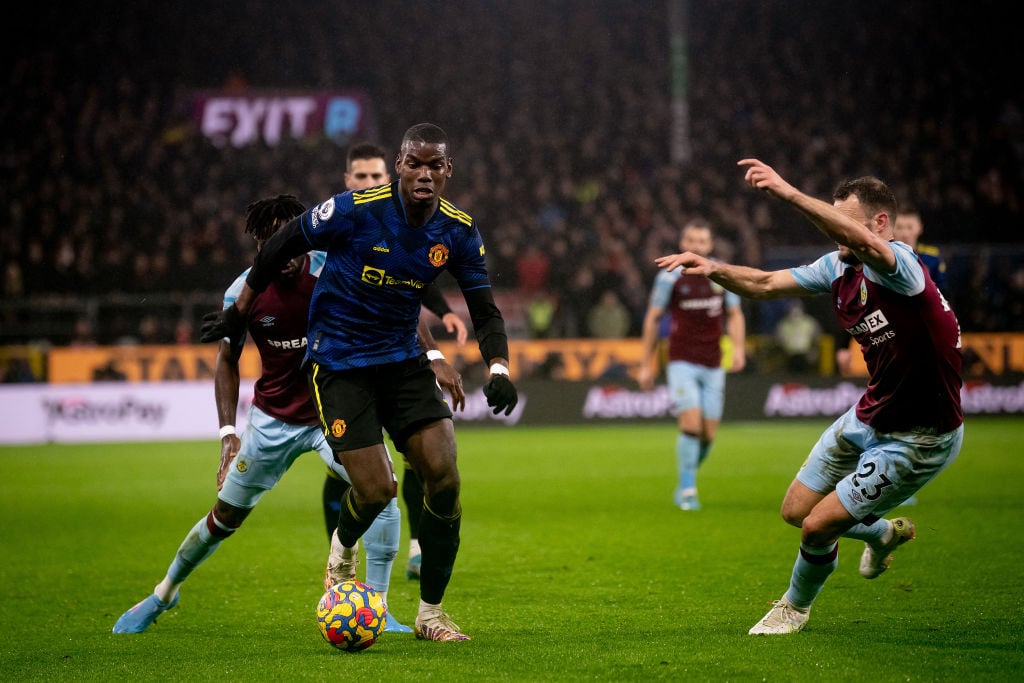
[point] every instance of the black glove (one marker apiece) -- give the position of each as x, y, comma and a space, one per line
227, 323
501, 394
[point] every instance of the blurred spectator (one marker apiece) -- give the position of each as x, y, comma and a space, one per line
576, 302
183, 332
798, 334
84, 335
540, 312
609, 318
151, 331
532, 268
1015, 301
17, 370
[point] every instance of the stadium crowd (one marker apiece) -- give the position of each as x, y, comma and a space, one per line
559, 114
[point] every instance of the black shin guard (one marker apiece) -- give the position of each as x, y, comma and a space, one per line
439, 542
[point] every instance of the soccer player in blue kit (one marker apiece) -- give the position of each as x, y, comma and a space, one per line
366, 369
365, 167
906, 427
282, 423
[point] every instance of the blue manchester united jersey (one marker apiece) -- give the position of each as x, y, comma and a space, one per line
367, 300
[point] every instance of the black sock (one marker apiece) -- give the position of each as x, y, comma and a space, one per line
412, 495
439, 542
334, 489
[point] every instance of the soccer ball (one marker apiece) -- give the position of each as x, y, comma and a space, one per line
351, 616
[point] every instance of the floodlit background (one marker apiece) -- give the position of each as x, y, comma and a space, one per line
584, 134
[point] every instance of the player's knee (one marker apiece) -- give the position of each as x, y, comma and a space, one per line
793, 515
443, 483
376, 494
443, 499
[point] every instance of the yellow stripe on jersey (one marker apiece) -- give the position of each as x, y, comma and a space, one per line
316, 399
448, 209
371, 195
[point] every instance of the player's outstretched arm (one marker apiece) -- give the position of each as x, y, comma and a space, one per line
865, 243
752, 283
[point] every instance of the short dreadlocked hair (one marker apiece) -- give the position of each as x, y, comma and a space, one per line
264, 216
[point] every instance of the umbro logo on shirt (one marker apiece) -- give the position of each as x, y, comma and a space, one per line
267, 320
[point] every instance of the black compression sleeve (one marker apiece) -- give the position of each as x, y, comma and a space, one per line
488, 323
285, 244
433, 299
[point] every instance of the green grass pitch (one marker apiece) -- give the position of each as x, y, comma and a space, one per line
574, 566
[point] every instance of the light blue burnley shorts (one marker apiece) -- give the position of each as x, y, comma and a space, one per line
872, 473
269, 447
696, 386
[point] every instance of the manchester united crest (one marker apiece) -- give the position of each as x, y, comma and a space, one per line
338, 428
438, 255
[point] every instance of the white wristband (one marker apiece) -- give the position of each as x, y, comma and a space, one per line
434, 354
499, 369
226, 430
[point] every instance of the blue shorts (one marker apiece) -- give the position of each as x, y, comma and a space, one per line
872, 473
696, 386
269, 447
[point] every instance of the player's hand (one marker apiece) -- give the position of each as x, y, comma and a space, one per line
229, 447
451, 381
764, 177
692, 264
227, 323
454, 324
739, 361
646, 377
501, 394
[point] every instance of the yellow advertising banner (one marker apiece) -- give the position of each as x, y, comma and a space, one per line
143, 363
985, 353
560, 359
565, 359
568, 359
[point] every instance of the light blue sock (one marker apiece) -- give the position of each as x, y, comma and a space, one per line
381, 541
813, 566
870, 533
198, 545
687, 455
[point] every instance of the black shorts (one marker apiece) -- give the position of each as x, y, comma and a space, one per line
354, 405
